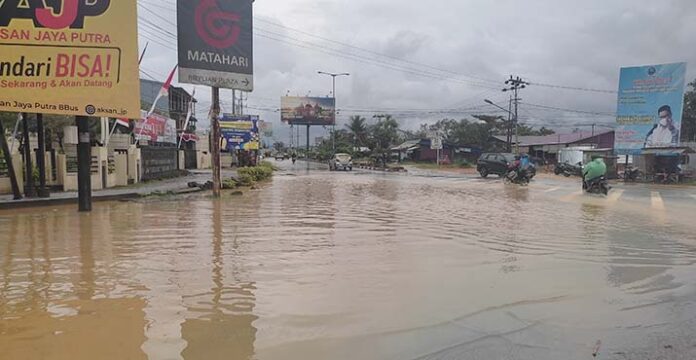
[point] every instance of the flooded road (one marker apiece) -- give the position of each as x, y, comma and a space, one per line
319, 265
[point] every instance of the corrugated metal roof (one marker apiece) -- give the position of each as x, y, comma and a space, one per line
555, 139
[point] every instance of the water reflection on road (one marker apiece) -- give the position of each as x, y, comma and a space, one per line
320, 265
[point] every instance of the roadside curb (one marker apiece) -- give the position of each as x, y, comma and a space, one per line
30, 203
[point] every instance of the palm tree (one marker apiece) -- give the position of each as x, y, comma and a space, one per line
358, 130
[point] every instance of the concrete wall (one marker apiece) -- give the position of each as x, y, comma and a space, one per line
6, 184
182, 160
204, 160
134, 160
121, 161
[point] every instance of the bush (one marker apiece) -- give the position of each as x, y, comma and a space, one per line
245, 179
257, 173
229, 184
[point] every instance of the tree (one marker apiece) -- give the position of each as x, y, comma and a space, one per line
384, 135
688, 130
358, 130
526, 130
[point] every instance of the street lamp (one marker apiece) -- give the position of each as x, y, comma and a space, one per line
333, 81
510, 115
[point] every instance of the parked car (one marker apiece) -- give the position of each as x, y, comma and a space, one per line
281, 156
494, 163
498, 164
341, 161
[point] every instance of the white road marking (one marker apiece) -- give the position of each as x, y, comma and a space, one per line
615, 195
656, 201
554, 189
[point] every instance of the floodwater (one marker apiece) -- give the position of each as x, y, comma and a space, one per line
326, 265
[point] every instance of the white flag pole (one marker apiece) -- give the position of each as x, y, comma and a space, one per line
16, 128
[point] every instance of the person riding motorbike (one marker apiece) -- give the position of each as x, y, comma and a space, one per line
519, 167
294, 157
593, 171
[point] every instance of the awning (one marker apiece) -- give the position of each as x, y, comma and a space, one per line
667, 151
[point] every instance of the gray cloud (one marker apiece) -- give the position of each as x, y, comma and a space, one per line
575, 43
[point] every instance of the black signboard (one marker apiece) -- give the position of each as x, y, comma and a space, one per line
216, 43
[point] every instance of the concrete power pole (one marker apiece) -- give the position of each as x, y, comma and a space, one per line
515, 84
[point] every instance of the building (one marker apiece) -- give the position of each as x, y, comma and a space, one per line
175, 107
419, 150
547, 147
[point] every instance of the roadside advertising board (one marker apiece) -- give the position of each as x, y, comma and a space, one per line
79, 59
649, 112
216, 43
156, 128
307, 110
239, 132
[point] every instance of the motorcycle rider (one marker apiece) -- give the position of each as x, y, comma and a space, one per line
294, 157
519, 166
593, 171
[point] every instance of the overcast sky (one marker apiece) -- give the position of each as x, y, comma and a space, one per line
441, 58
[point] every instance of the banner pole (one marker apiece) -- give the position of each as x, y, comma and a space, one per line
84, 164
10, 165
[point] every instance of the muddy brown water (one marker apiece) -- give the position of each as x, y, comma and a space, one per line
349, 266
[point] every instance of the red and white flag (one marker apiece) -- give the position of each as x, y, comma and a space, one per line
164, 91
123, 122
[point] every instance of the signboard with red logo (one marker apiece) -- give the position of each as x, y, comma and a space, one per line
155, 128
69, 57
216, 43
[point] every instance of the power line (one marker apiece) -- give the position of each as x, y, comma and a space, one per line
573, 88
570, 110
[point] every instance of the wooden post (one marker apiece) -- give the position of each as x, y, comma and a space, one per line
215, 125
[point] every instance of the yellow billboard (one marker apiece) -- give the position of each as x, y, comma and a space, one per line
69, 57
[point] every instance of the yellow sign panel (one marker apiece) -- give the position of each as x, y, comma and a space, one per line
69, 57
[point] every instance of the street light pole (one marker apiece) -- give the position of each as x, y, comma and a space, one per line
509, 146
333, 81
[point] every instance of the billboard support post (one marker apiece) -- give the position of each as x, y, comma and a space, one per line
29, 189
10, 166
41, 157
84, 163
307, 151
215, 124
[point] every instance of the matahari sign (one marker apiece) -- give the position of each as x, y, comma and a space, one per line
216, 43
69, 57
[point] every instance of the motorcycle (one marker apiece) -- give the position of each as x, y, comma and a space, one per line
568, 170
631, 174
520, 177
598, 185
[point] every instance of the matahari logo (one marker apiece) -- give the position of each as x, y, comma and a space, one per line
217, 28
52, 14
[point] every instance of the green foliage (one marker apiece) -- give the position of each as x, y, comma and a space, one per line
268, 164
688, 132
384, 135
358, 130
245, 179
254, 173
229, 184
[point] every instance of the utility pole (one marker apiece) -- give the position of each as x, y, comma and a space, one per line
514, 84
41, 156
333, 93
84, 164
215, 126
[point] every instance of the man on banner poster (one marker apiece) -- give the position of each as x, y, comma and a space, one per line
650, 103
